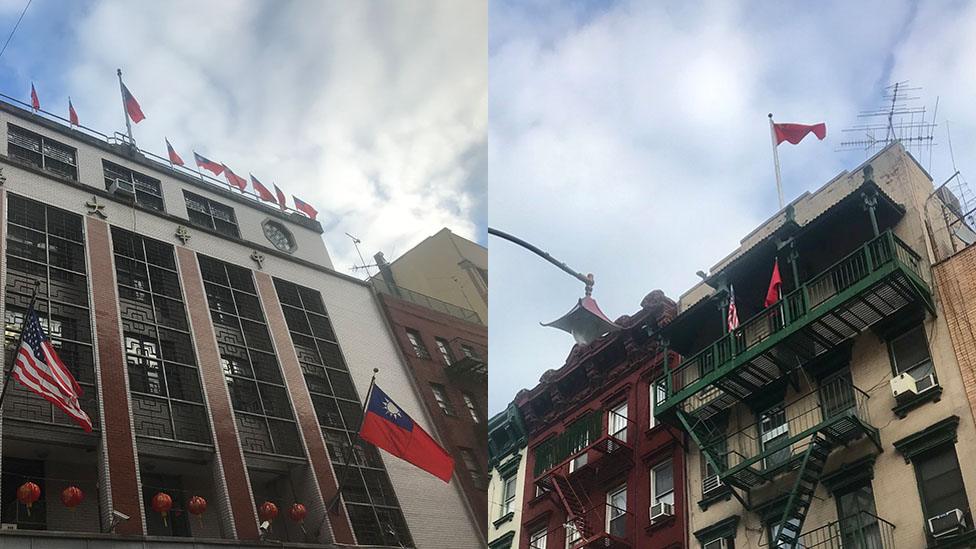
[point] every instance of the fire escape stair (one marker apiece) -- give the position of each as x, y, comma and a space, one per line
787, 533
575, 505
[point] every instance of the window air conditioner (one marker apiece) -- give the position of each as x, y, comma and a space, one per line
121, 187
8, 526
711, 484
903, 386
947, 523
721, 543
661, 510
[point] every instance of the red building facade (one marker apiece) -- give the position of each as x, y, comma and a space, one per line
598, 467
448, 358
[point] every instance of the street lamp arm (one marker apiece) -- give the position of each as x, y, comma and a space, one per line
585, 279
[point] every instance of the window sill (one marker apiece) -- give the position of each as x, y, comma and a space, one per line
505, 518
724, 493
932, 395
659, 524
962, 539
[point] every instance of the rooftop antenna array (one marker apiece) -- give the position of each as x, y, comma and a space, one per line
899, 118
364, 266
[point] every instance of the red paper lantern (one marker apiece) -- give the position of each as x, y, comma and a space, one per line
162, 503
27, 494
297, 512
268, 511
197, 505
71, 497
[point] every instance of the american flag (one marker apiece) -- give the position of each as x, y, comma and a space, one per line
38, 367
733, 319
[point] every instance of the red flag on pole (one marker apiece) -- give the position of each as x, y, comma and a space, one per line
794, 133
775, 283
281, 197
72, 115
132, 106
35, 102
262, 191
207, 164
235, 179
307, 209
388, 427
173, 157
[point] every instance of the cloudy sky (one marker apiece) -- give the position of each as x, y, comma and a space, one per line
373, 112
630, 139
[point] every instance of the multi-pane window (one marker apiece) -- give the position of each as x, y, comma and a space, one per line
469, 403
662, 484
440, 395
910, 353
167, 401
469, 351
46, 245
147, 189
508, 495
617, 512
367, 492
261, 405
537, 540
445, 350
211, 214
471, 464
419, 349
940, 482
573, 536
658, 393
617, 426
42, 152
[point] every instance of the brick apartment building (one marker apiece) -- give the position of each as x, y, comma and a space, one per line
220, 353
600, 471
446, 349
836, 415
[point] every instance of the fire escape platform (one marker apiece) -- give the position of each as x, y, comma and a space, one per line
871, 284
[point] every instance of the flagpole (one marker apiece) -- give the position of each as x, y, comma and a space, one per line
20, 340
125, 111
779, 180
362, 417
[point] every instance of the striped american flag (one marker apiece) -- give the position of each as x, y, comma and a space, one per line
38, 367
733, 318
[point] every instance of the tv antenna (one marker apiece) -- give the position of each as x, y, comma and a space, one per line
356, 242
900, 118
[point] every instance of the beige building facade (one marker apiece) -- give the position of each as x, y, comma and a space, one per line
800, 437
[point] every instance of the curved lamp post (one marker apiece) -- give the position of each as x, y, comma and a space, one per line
585, 321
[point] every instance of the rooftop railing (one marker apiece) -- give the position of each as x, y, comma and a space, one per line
432, 303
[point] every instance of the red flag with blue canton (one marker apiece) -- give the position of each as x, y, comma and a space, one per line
235, 179
207, 164
305, 208
388, 427
173, 157
132, 107
281, 197
262, 191
35, 102
38, 367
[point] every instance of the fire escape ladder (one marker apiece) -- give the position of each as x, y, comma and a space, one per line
795, 512
575, 505
702, 431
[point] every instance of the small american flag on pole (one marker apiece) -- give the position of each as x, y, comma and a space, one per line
733, 314
38, 367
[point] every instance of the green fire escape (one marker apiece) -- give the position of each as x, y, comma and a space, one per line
874, 282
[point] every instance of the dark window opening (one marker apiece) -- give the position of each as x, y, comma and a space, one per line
207, 213
42, 152
147, 189
910, 354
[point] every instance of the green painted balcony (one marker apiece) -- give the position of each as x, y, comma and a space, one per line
861, 530
872, 283
836, 413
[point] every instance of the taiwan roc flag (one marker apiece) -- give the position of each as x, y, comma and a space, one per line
390, 428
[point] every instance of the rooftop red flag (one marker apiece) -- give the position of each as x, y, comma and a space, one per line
208, 164
235, 179
72, 115
38, 367
794, 133
388, 427
775, 283
35, 102
262, 191
304, 208
282, 201
173, 157
131, 105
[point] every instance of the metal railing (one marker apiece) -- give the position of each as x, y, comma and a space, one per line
794, 307
783, 433
597, 522
861, 530
432, 303
582, 436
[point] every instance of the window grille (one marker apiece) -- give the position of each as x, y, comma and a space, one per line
42, 152
148, 190
210, 214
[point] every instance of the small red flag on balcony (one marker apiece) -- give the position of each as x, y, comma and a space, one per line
794, 133
173, 157
35, 102
388, 427
775, 283
72, 115
307, 209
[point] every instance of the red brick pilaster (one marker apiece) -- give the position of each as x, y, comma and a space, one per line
226, 440
117, 434
308, 422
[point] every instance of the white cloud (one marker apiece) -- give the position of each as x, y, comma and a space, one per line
370, 111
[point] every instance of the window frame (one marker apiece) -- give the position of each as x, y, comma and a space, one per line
443, 400
920, 484
41, 152
140, 193
471, 464
472, 409
614, 416
537, 536
895, 371
212, 225
417, 343
655, 497
611, 507
508, 497
445, 350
